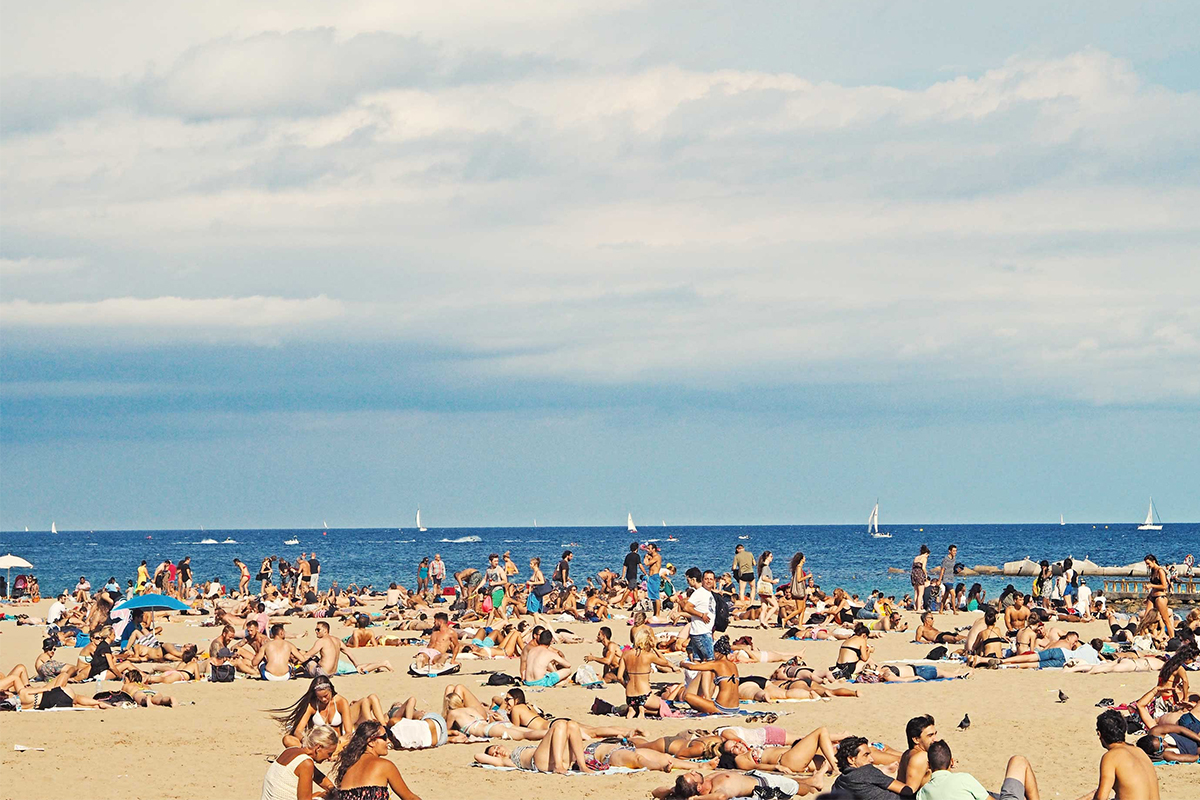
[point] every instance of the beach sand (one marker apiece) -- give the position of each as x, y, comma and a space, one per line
218, 743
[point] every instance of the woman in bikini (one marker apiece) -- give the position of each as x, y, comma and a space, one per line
692, 743
918, 576
322, 705
1159, 586
799, 757
744, 652
188, 669
991, 643
243, 577
724, 678
132, 693
561, 751
853, 653
633, 670
363, 770
612, 753
264, 573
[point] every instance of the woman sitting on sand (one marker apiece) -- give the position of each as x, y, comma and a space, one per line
724, 677
561, 751
853, 653
364, 772
321, 705
633, 670
293, 774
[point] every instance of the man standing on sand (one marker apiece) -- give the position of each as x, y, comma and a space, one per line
274, 659
946, 578
632, 567
443, 644
562, 573
314, 570
304, 575
1123, 768
701, 606
544, 666
437, 574
743, 571
653, 563
913, 769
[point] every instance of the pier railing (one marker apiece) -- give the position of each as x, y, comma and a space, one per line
1182, 588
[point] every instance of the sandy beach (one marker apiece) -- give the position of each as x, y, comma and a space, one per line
217, 743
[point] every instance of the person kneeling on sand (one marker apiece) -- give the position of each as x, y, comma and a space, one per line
946, 784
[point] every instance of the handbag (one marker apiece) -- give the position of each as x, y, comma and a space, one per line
765, 586
222, 673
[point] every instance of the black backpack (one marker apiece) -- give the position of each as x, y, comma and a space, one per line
222, 673
724, 607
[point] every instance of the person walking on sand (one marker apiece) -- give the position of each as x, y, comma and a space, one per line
946, 578
918, 576
437, 573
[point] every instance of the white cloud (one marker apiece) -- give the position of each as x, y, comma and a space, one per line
172, 313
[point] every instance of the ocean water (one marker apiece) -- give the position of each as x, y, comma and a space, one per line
838, 555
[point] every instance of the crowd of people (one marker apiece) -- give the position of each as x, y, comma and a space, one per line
679, 627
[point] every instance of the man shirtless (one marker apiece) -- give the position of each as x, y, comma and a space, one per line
326, 651
1016, 616
929, 633
913, 769
274, 659
610, 655
543, 665
727, 785
1123, 768
443, 644
221, 650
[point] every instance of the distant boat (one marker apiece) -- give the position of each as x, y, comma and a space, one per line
1149, 524
744, 537
27, 529
1060, 520
419, 526
229, 541
53, 527
202, 529
672, 539
324, 524
291, 541
535, 522
209, 541
873, 524
629, 524
664, 523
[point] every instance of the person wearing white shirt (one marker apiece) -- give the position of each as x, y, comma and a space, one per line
1083, 598
57, 610
701, 606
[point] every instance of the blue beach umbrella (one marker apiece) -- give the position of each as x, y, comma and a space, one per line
152, 602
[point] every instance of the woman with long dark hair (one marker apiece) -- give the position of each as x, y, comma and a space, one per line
918, 576
765, 588
798, 589
1159, 587
322, 705
363, 772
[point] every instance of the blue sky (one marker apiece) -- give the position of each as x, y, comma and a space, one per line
714, 263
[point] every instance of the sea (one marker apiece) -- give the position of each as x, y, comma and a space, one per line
838, 555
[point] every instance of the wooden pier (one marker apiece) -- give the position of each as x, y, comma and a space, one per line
1183, 589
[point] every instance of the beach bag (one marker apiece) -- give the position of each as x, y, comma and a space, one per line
721, 619
501, 679
936, 654
764, 586
586, 676
602, 708
222, 673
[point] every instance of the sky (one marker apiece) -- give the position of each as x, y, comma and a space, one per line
265, 265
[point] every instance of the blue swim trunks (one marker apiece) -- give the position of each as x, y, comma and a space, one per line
652, 588
925, 672
547, 680
1053, 658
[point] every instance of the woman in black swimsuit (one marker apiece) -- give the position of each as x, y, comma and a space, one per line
854, 651
634, 671
1159, 586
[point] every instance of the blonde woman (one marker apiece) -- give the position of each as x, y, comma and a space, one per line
293, 774
633, 670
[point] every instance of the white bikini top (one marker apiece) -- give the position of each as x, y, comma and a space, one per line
333, 723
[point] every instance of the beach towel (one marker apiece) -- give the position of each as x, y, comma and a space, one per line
572, 773
433, 672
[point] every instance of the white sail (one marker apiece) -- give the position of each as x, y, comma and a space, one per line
27, 529
1150, 524
629, 524
419, 527
324, 524
873, 520
1060, 520
535, 522
53, 528
664, 522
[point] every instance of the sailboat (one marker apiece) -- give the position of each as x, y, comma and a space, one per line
535, 522
873, 524
27, 529
53, 527
324, 524
629, 524
664, 523
1149, 524
1060, 520
420, 527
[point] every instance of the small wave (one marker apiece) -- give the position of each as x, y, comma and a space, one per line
93, 544
462, 539
403, 541
524, 541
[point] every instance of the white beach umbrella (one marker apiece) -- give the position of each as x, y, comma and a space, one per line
8, 562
